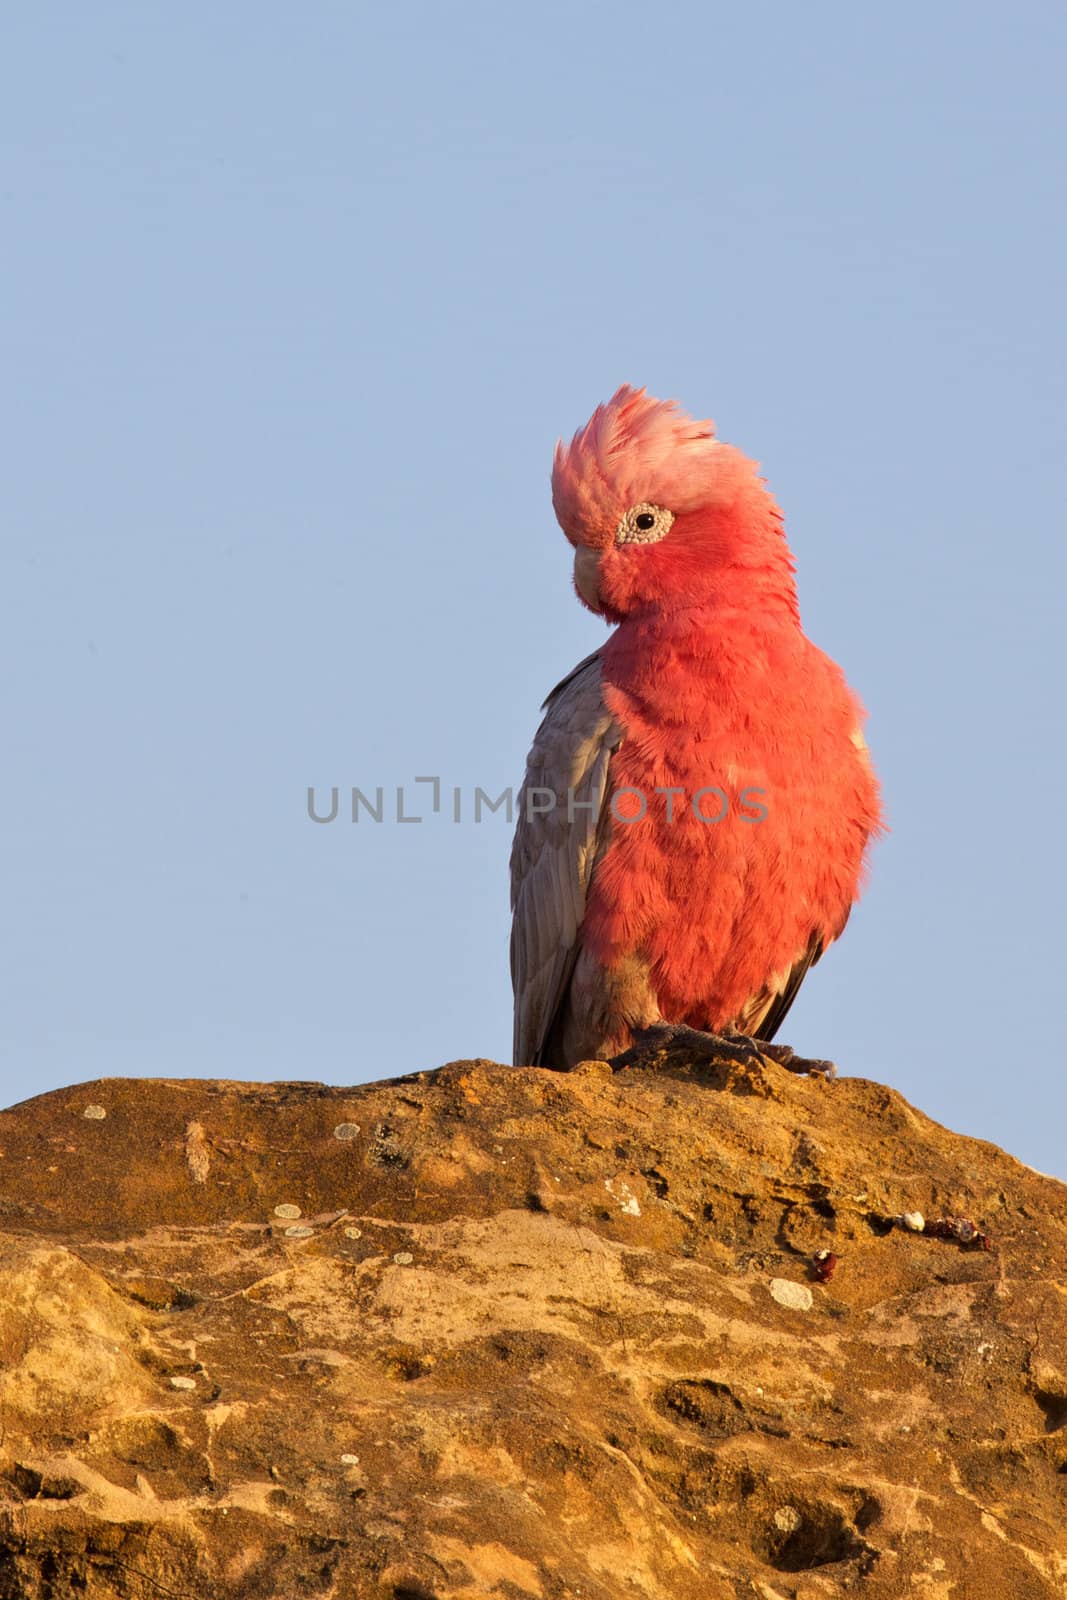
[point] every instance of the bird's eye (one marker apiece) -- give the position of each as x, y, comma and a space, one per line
644, 524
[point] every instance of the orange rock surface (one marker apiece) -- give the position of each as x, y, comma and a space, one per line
495, 1332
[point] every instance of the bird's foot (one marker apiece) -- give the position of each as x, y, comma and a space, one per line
669, 1043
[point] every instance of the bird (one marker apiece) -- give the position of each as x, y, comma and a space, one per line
699, 802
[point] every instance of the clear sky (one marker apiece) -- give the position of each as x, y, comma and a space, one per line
296, 301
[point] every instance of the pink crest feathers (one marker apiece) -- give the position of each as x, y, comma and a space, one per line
633, 448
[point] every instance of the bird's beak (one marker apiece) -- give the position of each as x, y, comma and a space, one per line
587, 575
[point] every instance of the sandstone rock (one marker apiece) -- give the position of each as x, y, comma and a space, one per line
487, 1332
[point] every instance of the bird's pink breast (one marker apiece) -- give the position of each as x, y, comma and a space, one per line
719, 707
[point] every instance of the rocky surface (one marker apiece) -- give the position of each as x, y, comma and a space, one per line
487, 1332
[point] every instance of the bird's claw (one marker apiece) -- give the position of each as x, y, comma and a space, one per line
785, 1056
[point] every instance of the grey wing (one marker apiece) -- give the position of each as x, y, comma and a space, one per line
765, 1012
554, 853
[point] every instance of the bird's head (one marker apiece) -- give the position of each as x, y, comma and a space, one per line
662, 514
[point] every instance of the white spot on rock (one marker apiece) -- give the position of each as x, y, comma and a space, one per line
301, 1232
94, 1113
914, 1221
353, 1233
787, 1519
183, 1383
346, 1130
403, 1258
348, 1460
797, 1296
287, 1211
620, 1190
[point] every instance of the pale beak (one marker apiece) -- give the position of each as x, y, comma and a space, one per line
587, 575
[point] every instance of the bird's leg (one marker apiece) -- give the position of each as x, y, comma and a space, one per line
667, 1042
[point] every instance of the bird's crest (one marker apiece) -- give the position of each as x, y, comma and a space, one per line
633, 448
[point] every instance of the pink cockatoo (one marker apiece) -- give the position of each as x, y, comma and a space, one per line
699, 800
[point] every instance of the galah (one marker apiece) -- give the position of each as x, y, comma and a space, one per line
699, 799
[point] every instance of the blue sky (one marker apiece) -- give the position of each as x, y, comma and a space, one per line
296, 303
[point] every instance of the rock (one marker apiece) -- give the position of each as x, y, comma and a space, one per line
797, 1296
524, 1342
